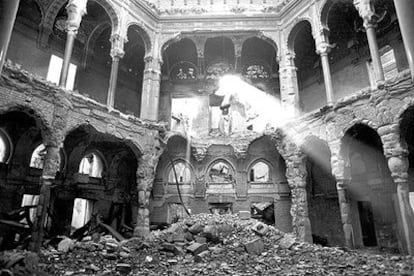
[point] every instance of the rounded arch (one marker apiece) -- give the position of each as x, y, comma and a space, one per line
323, 14
169, 41
53, 10
219, 49
42, 120
143, 32
295, 29
6, 147
262, 35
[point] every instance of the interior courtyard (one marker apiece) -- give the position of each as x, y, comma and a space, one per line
143, 112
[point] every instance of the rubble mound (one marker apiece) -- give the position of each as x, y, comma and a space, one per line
217, 245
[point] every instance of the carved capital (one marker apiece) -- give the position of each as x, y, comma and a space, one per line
324, 48
76, 9
117, 49
153, 64
367, 11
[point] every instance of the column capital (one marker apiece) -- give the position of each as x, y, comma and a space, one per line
324, 48
76, 9
367, 11
117, 49
153, 64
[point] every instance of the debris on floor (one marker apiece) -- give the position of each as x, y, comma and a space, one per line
215, 245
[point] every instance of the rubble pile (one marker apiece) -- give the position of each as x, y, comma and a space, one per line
215, 245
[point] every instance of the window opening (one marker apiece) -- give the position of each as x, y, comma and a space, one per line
91, 165
55, 67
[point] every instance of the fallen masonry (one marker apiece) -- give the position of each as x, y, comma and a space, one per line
229, 246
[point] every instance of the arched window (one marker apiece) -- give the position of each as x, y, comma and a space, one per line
183, 171
5, 147
221, 172
38, 157
91, 165
259, 172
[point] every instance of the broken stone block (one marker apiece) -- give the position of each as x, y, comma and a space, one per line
196, 229
199, 239
178, 237
287, 241
244, 215
123, 268
201, 257
197, 248
254, 247
111, 247
188, 236
260, 228
216, 250
169, 247
65, 245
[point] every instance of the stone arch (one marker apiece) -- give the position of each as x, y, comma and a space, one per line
53, 10
356, 121
101, 160
323, 13
407, 104
369, 187
144, 33
169, 41
43, 121
321, 193
215, 161
256, 161
42, 7
262, 35
187, 163
293, 31
8, 146
24, 148
96, 32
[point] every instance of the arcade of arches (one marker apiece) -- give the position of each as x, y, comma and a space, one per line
139, 112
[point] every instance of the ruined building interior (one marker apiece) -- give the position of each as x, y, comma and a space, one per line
299, 112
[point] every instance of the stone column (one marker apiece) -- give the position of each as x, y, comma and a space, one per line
200, 65
50, 168
76, 9
289, 89
200, 43
342, 181
398, 164
367, 12
117, 53
238, 44
405, 14
151, 89
8, 12
145, 179
323, 49
296, 177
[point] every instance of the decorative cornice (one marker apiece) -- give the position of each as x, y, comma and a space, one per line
195, 7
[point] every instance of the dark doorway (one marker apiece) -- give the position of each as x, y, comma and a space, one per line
366, 218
